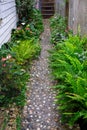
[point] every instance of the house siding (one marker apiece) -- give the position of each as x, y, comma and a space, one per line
8, 20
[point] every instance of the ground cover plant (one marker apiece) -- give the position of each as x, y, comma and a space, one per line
37, 21
59, 30
68, 61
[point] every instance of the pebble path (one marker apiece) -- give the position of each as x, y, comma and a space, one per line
39, 112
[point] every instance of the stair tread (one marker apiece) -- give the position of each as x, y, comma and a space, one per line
47, 6
47, 10
47, 2
47, 14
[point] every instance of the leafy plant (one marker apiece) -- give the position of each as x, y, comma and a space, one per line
13, 80
68, 62
18, 122
59, 30
28, 31
22, 33
24, 9
26, 50
37, 21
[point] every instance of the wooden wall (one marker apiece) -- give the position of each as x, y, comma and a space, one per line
8, 19
60, 7
78, 16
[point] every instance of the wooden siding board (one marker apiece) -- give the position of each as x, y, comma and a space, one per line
7, 34
6, 20
9, 19
6, 26
8, 12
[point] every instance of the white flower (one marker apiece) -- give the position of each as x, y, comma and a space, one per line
23, 23
8, 56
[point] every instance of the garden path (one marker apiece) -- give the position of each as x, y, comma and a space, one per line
40, 111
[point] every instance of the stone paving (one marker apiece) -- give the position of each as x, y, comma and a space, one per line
40, 111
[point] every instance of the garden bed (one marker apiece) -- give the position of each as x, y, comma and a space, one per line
16, 57
68, 61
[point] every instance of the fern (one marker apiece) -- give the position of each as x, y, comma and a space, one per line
26, 50
69, 65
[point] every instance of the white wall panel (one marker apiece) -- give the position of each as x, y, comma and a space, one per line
9, 19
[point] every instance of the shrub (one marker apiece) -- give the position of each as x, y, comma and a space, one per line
28, 14
22, 33
59, 31
29, 29
37, 20
24, 9
13, 74
12, 82
58, 20
68, 62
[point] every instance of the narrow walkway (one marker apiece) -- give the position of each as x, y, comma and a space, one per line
40, 113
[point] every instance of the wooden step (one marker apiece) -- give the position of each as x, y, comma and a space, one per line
50, 14
47, 0
47, 8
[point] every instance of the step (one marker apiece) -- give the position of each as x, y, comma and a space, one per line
45, 14
47, 2
47, 6
47, 10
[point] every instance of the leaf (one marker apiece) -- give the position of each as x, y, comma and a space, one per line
75, 97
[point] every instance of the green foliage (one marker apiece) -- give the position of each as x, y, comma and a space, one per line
58, 20
29, 16
4, 124
32, 28
24, 9
13, 79
59, 31
26, 50
17, 55
13, 74
68, 61
23, 48
18, 122
37, 21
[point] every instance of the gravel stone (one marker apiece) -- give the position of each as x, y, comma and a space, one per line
41, 109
